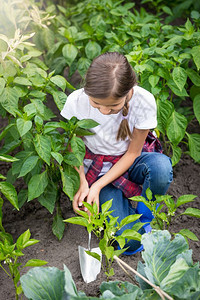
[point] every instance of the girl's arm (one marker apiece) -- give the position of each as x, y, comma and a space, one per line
125, 162
82, 191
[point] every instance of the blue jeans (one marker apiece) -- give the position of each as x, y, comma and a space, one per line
150, 169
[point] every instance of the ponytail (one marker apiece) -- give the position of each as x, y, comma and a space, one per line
124, 130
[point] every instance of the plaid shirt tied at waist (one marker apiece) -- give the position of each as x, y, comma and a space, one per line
129, 188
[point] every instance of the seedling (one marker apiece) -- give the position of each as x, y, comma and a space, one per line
165, 210
105, 227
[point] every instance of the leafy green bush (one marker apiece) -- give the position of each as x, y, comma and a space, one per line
165, 57
42, 145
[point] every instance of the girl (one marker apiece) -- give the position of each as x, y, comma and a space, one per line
122, 159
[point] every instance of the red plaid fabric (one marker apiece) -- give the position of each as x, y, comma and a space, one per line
129, 188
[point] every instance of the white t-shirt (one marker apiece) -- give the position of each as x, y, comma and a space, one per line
142, 114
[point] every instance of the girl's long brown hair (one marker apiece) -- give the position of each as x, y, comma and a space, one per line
111, 75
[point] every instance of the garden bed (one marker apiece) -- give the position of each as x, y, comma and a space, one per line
39, 221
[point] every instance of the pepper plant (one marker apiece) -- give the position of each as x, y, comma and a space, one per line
10, 251
41, 144
105, 227
166, 210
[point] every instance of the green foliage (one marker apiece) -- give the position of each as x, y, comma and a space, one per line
167, 263
10, 251
105, 227
43, 158
46, 164
9, 254
165, 57
165, 210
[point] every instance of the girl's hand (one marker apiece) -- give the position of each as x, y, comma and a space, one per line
80, 196
93, 195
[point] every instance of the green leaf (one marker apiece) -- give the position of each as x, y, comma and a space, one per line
176, 271
193, 212
60, 81
131, 235
194, 146
10, 193
82, 132
38, 122
49, 197
37, 185
69, 52
149, 194
28, 165
188, 234
121, 290
2, 85
194, 76
43, 283
78, 148
23, 239
60, 99
176, 127
195, 54
160, 253
95, 255
184, 199
109, 252
78, 221
70, 180
138, 199
58, 226
106, 206
153, 80
22, 197
186, 286
42, 110
37, 94
167, 10
87, 123
176, 154
83, 65
71, 159
9, 100
58, 157
8, 158
179, 76
35, 263
175, 89
70, 286
196, 107
92, 49
23, 126
21, 81
129, 219
43, 147
165, 109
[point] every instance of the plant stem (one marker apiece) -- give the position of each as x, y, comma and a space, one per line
160, 292
5, 270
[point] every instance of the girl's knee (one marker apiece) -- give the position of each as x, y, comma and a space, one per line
164, 172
